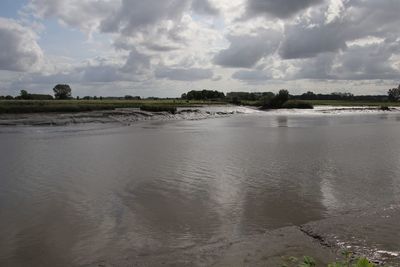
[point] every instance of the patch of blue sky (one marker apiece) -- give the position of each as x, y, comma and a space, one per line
10, 8
63, 41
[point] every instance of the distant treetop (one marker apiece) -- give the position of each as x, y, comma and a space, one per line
203, 95
62, 91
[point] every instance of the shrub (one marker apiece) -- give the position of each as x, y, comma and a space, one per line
385, 108
153, 108
276, 101
297, 104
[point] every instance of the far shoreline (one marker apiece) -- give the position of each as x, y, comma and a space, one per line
129, 116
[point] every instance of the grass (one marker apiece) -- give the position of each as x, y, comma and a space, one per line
352, 103
40, 106
348, 261
334, 103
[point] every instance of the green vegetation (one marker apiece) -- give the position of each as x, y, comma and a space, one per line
24, 95
347, 262
35, 106
155, 108
276, 101
297, 104
32, 103
352, 103
281, 100
394, 94
62, 91
203, 95
385, 108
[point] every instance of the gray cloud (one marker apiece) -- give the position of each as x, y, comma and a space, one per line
19, 50
246, 50
304, 42
280, 9
359, 19
134, 14
136, 62
83, 14
251, 75
181, 74
318, 68
160, 48
368, 62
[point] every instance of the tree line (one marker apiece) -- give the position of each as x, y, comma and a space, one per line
63, 92
236, 97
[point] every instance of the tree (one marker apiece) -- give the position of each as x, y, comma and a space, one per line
394, 94
280, 99
62, 91
308, 96
24, 94
276, 101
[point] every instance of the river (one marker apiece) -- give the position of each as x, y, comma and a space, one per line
86, 194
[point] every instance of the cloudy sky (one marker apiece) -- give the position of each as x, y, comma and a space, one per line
166, 47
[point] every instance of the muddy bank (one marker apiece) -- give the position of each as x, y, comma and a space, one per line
125, 116
373, 233
365, 233
128, 116
268, 249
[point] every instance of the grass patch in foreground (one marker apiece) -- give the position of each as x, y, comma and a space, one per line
348, 261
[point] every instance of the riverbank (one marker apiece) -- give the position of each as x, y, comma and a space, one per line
125, 116
361, 233
128, 116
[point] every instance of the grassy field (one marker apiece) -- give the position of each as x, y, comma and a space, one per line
39, 106
351, 103
337, 103
36, 106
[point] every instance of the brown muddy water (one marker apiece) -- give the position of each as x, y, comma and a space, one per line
92, 194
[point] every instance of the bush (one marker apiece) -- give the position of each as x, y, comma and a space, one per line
153, 108
385, 108
297, 104
276, 101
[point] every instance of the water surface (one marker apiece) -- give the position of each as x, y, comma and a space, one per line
83, 194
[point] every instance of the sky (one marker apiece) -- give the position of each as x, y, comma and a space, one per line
167, 47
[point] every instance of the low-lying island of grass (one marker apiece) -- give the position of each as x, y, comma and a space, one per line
73, 106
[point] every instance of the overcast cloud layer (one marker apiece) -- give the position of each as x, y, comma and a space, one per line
164, 48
